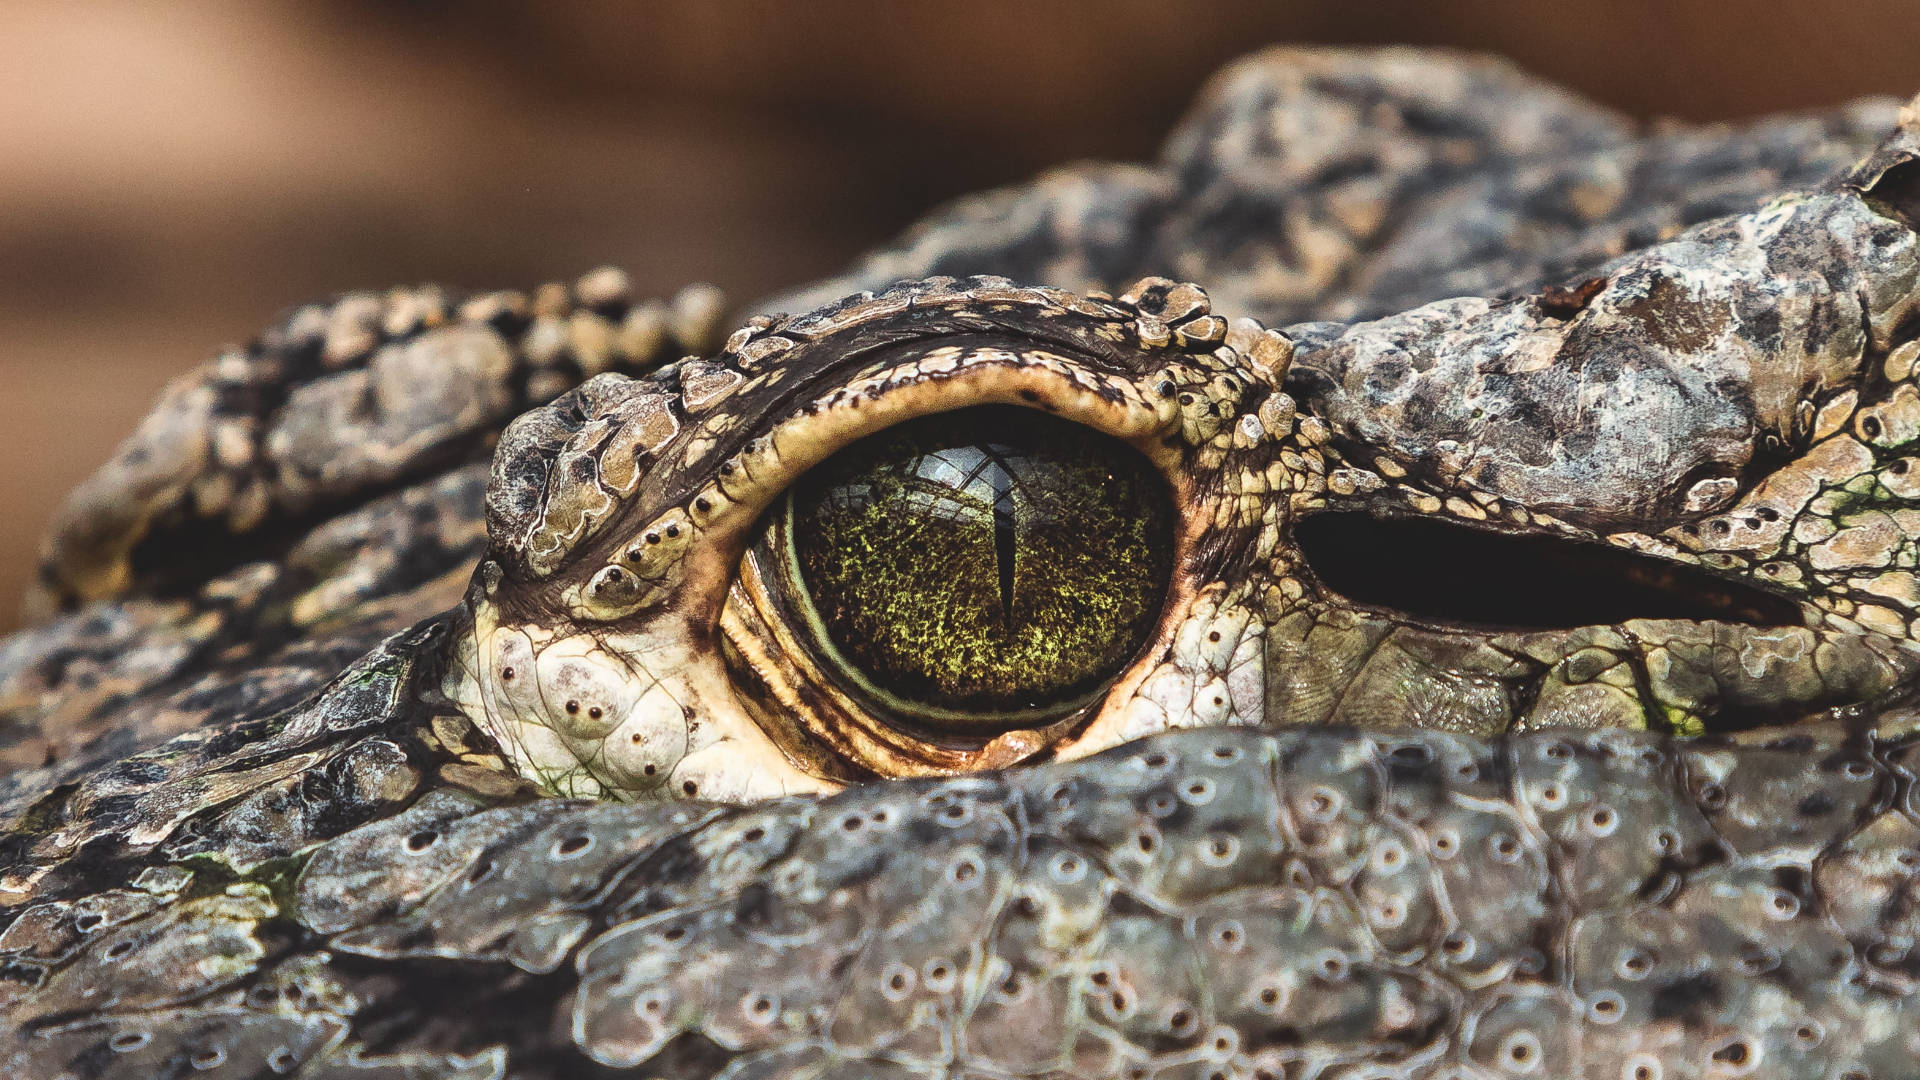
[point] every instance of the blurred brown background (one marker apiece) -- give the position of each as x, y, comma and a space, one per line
171, 175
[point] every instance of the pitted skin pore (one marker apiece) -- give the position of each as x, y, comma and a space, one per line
1301, 838
1212, 901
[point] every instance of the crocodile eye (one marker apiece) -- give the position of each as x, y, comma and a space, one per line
978, 571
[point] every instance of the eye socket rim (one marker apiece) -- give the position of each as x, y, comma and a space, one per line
863, 734
1067, 476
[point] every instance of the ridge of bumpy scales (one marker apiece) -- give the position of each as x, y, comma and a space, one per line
233, 849
1349, 184
1206, 902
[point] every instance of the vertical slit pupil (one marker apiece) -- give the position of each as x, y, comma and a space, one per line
1004, 540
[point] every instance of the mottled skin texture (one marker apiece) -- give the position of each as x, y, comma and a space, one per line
1573, 837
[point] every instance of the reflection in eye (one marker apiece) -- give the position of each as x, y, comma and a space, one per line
980, 570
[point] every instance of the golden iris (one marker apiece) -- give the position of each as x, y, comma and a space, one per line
978, 570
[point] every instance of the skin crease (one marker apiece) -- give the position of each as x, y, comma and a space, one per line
270, 817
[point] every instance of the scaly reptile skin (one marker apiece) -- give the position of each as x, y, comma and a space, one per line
1303, 834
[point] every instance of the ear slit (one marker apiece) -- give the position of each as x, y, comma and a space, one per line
1437, 571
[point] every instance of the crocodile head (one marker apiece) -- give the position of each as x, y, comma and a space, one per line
1436, 597
960, 524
